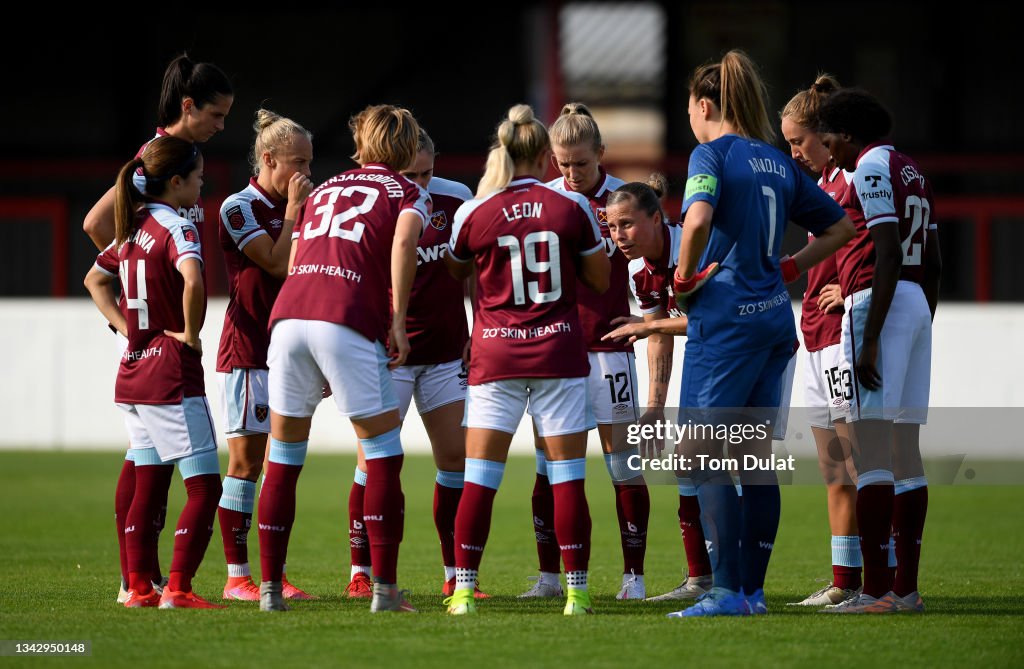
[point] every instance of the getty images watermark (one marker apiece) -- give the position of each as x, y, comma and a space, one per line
958, 446
731, 434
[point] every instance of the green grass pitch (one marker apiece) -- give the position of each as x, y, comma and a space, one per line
59, 576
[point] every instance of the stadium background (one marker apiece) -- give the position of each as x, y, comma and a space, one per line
79, 101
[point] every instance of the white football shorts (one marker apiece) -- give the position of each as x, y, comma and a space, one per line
828, 387
433, 386
557, 406
175, 430
904, 359
246, 402
304, 356
611, 387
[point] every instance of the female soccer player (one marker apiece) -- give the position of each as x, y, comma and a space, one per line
527, 243
821, 319
638, 225
159, 385
740, 193
194, 100
611, 388
356, 239
889, 276
256, 238
434, 373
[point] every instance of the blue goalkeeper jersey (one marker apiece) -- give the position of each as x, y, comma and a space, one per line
754, 189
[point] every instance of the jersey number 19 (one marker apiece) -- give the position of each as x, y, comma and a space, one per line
520, 287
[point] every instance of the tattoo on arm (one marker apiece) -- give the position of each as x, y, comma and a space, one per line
663, 369
659, 397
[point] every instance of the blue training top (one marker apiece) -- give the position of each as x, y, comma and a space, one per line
754, 189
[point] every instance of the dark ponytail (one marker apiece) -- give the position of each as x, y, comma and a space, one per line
202, 82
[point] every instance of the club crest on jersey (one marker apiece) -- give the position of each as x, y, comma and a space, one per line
190, 234
235, 218
602, 216
438, 220
262, 411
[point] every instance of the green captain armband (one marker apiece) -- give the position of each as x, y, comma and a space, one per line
701, 183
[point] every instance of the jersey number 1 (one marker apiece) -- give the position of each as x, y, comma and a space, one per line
769, 193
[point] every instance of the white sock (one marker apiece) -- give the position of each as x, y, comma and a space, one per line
576, 580
549, 578
465, 578
449, 573
236, 570
358, 569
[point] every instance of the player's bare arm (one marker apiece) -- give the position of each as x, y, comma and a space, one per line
822, 246
696, 229
101, 288
274, 257
193, 302
660, 349
633, 328
99, 222
888, 261
460, 269
403, 271
596, 271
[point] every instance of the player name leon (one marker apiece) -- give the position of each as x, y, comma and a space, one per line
523, 210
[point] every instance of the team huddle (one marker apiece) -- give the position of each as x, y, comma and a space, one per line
354, 290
